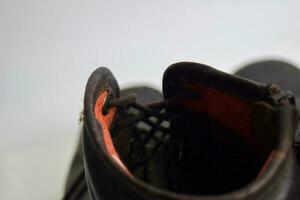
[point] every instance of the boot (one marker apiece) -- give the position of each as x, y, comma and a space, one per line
211, 136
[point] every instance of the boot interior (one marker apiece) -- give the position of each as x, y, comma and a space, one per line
213, 147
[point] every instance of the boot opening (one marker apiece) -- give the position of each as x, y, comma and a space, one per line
215, 144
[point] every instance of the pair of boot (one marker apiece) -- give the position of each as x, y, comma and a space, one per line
208, 136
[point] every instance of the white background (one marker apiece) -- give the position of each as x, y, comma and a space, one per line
49, 48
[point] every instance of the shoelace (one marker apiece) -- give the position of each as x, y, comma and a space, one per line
153, 115
146, 113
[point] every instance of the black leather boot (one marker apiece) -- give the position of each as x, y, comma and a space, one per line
212, 136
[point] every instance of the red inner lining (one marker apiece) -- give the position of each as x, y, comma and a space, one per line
228, 110
105, 121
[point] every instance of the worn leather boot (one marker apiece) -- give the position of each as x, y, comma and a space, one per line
210, 136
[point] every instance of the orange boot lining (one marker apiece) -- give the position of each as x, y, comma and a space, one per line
105, 121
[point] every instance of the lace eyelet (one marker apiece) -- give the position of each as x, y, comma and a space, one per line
106, 105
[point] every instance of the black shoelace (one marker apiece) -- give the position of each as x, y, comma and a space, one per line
153, 115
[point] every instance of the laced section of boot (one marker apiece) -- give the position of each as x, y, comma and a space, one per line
148, 125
